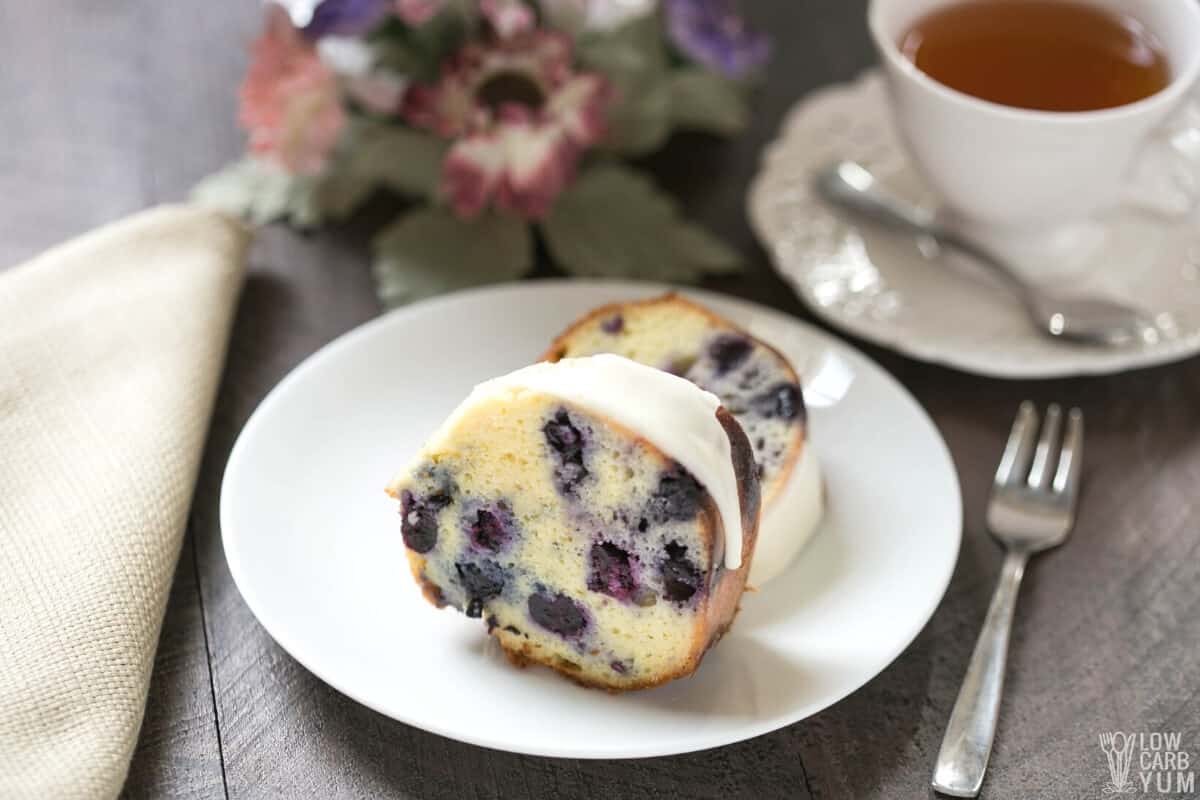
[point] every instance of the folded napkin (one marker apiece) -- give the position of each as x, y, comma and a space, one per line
111, 349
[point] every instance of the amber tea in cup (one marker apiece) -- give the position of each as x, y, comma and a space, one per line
1046, 55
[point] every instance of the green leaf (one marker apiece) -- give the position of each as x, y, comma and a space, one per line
406, 160
702, 100
419, 52
614, 222
634, 60
339, 194
695, 245
393, 51
430, 251
632, 51
258, 192
640, 122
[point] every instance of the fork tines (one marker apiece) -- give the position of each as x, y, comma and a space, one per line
1038, 462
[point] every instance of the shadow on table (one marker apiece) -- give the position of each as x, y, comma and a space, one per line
882, 741
431, 766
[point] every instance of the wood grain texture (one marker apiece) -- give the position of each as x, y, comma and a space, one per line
178, 753
112, 107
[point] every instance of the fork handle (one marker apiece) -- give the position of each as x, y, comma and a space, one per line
967, 745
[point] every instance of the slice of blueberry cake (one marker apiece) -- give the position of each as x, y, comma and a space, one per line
754, 382
599, 515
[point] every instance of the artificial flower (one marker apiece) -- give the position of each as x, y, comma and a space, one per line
378, 92
507, 17
481, 112
576, 16
417, 12
353, 61
289, 99
318, 18
346, 55
520, 165
300, 11
519, 118
712, 33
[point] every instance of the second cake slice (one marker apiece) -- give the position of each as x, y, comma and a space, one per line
754, 382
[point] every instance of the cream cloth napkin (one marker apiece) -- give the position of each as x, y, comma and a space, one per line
111, 349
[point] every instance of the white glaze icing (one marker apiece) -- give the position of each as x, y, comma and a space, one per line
790, 520
673, 414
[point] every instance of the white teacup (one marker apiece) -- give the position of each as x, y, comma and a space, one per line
1009, 171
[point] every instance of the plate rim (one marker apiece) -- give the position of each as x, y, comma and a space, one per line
722, 737
923, 352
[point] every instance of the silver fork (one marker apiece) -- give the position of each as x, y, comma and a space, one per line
1032, 509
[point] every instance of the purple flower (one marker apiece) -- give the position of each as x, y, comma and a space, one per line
712, 33
345, 17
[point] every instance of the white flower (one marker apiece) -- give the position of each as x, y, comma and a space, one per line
346, 55
301, 11
354, 63
575, 16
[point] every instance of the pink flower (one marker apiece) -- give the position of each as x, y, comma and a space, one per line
519, 118
417, 12
522, 166
289, 99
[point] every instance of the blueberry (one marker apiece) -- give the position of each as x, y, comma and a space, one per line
557, 613
749, 378
563, 436
614, 324
618, 667
783, 400
418, 519
728, 351
491, 529
566, 440
680, 576
481, 582
611, 571
569, 475
678, 496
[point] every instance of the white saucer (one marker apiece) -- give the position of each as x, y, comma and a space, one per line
315, 548
881, 287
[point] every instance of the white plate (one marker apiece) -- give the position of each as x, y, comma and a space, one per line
314, 545
879, 286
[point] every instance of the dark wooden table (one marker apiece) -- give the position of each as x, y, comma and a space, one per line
111, 107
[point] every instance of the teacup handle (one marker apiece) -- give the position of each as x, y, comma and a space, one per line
1166, 177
